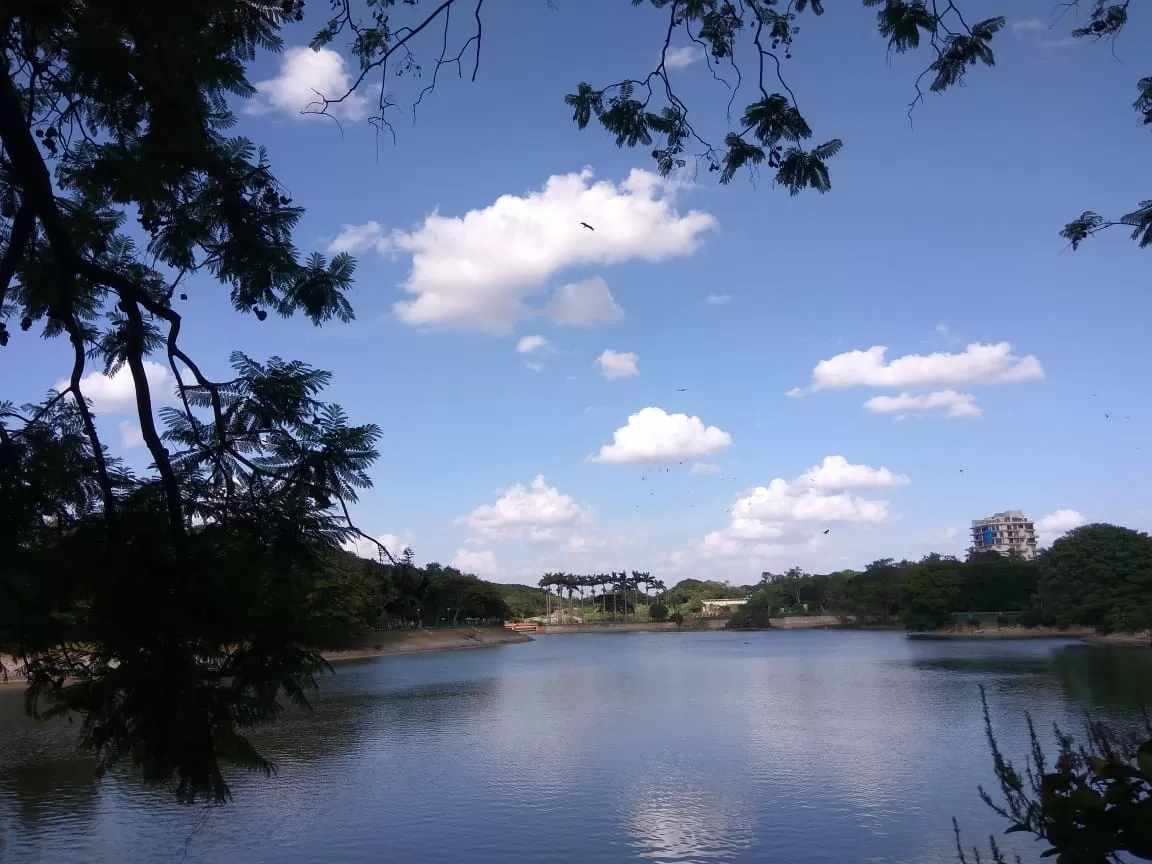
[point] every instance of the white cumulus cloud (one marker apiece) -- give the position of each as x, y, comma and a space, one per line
653, 435
306, 77
480, 270
978, 364
785, 516
476, 562
954, 404
531, 344
836, 472
584, 304
114, 394
618, 364
521, 511
1050, 527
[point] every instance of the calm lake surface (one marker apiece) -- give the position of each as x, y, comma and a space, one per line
712, 747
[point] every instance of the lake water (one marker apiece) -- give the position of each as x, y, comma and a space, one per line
711, 747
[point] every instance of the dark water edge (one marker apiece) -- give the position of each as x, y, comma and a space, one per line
834, 746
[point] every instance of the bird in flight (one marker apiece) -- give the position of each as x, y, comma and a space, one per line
826, 530
681, 389
586, 225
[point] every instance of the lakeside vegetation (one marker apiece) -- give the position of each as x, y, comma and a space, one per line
1097, 576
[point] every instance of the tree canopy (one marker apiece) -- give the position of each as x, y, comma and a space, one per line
1099, 576
169, 609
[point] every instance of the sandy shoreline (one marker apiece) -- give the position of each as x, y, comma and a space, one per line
394, 643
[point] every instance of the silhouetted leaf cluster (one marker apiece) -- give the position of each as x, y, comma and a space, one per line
171, 610
1092, 804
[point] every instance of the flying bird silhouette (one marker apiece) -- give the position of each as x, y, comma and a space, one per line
586, 225
681, 389
826, 530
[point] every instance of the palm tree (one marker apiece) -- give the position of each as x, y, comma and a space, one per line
545, 584
623, 584
601, 579
560, 594
570, 583
642, 578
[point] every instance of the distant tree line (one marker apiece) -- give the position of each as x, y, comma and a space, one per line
349, 597
615, 594
1095, 576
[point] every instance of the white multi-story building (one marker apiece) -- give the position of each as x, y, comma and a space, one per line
1007, 533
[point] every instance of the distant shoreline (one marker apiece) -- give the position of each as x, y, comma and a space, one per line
1005, 633
1120, 640
392, 643
395, 643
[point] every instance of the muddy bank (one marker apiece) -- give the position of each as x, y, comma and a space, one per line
386, 644
692, 625
638, 627
396, 642
805, 622
1121, 640
1007, 633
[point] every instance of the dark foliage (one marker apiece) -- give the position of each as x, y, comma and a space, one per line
1096, 576
1099, 576
1092, 804
175, 609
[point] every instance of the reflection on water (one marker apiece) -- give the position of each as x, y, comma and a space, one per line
818, 746
685, 815
1106, 679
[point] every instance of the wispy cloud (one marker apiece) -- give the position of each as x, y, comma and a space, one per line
1028, 25
681, 56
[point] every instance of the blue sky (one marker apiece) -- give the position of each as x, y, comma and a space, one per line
937, 235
